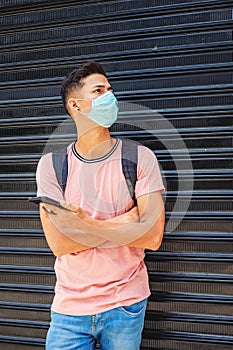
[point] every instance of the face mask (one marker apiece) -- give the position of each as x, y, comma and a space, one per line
104, 109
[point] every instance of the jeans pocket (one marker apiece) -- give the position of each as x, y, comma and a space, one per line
136, 309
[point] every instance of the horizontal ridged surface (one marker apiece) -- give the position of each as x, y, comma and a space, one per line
170, 64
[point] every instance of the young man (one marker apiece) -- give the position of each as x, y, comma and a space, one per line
102, 282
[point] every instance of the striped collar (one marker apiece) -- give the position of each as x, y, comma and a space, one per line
96, 159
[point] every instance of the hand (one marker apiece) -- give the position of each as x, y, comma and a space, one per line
74, 223
130, 216
81, 213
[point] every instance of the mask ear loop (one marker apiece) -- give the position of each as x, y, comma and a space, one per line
82, 99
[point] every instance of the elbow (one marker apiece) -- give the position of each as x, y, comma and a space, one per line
57, 248
156, 243
158, 232
57, 252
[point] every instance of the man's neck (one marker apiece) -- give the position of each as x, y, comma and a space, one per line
94, 143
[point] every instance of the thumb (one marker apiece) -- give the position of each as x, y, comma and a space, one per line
44, 211
69, 206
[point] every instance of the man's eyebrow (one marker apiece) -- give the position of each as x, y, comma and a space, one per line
101, 85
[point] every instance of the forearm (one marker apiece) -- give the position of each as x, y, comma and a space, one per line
76, 224
139, 234
143, 231
119, 230
153, 238
142, 226
57, 241
130, 216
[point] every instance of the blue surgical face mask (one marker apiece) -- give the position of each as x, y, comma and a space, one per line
104, 109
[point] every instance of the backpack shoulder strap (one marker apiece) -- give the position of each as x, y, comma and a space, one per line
129, 160
60, 165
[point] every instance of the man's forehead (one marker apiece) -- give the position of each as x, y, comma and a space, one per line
95, 80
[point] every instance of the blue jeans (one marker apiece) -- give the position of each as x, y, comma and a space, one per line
116, 329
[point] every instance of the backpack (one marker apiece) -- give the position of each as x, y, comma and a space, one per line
129, 161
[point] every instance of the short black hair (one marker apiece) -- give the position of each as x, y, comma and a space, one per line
74, 79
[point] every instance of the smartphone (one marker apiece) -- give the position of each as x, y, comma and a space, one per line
44, 199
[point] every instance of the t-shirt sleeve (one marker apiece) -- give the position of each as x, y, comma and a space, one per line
47, 184
149, 177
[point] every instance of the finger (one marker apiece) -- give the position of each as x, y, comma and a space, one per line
48, 211
82, 214
69, 206
45, 213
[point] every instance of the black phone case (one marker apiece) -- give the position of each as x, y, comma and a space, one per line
43, 199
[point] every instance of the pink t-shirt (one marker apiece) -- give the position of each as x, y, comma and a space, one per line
107, 276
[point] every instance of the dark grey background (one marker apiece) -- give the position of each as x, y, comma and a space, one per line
172, 56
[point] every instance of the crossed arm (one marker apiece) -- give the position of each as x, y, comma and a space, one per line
141, 227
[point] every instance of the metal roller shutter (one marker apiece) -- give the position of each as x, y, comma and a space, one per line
173, 57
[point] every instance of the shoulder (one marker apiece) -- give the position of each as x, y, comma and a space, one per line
45, 171
45, 160
142, 150
46, 178
146, 155
147, 163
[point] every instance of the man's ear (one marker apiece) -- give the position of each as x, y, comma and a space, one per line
72, 105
